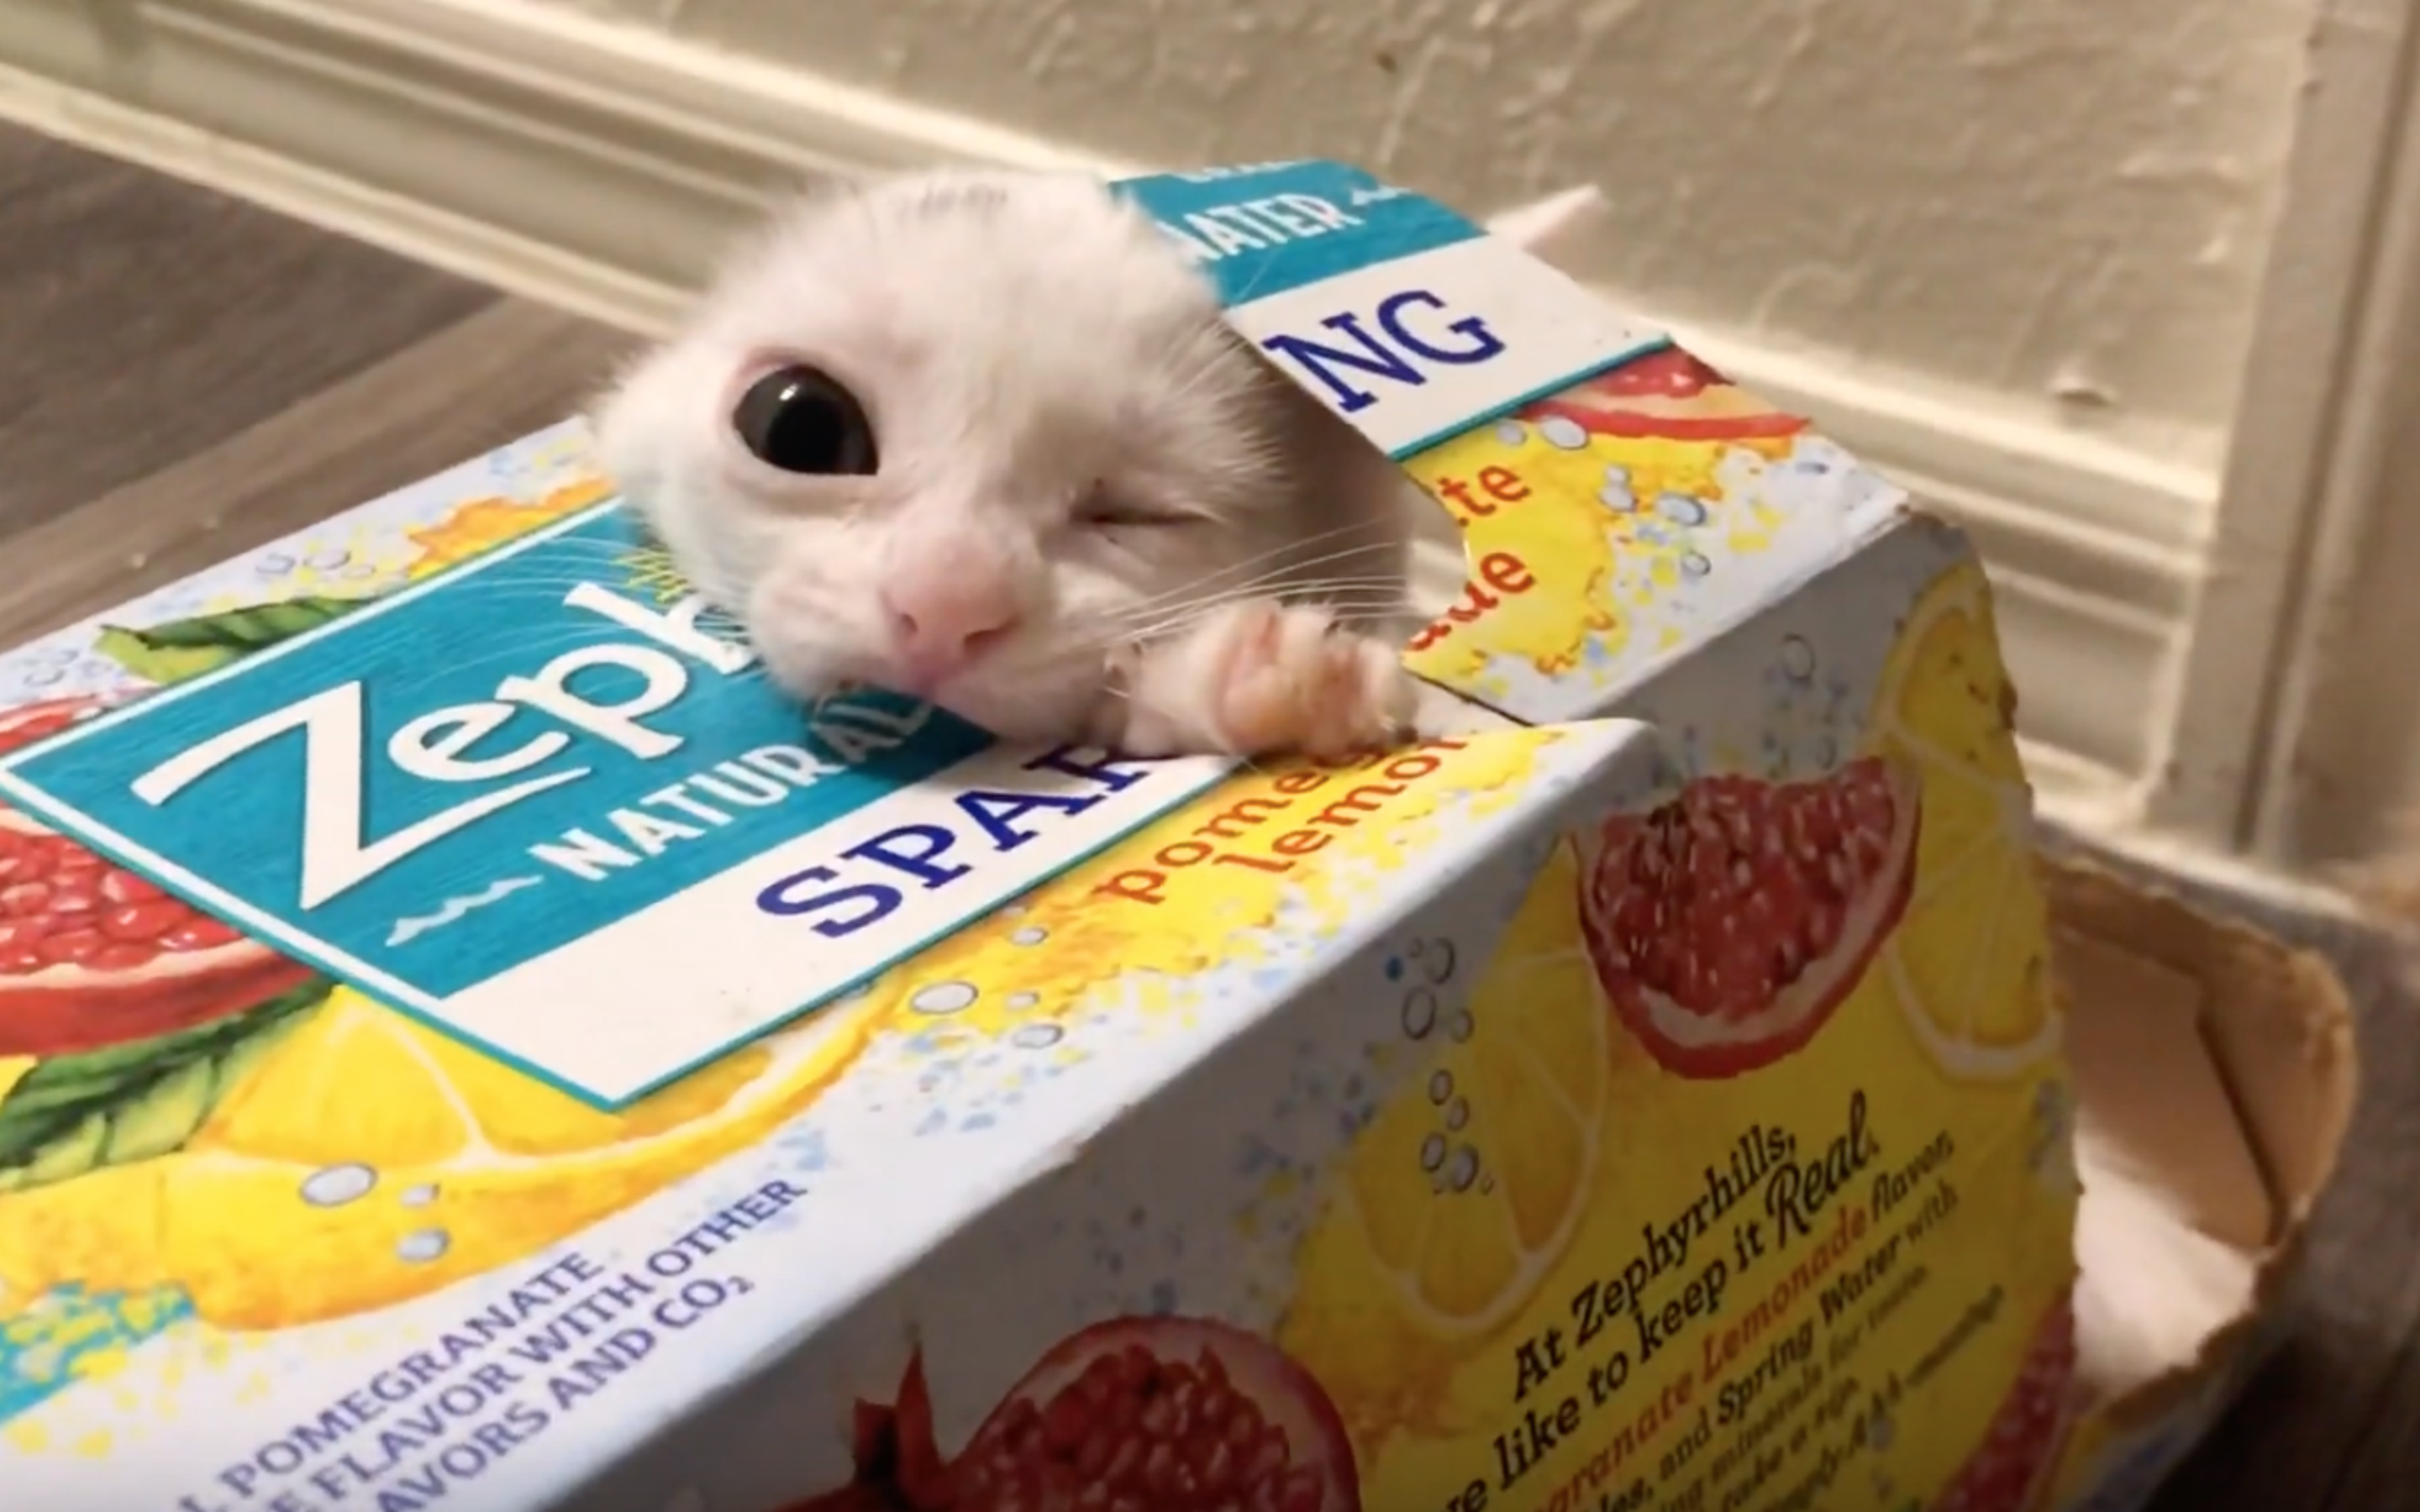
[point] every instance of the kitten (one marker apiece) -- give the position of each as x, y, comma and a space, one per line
984, 438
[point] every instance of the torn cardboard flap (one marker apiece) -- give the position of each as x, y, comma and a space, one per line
2270, 1029
2215, 1063
2150, 1089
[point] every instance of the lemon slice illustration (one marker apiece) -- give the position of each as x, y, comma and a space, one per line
362, 1160
1467, 1188
1967, 962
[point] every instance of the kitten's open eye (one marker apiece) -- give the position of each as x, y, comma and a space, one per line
801, 420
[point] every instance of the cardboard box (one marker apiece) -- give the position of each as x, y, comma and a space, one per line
2216, 1067
1666, 1106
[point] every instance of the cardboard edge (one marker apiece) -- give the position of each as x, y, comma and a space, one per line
2265, 994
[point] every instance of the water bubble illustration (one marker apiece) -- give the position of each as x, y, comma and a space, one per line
1463, 1169
1419, 1012
1681, 509
1441, 958
1797, 658
943, 997
1563, 435
338, 1184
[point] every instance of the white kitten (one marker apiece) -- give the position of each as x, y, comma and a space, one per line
984, 438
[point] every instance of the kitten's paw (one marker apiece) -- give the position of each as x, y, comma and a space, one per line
1286, 679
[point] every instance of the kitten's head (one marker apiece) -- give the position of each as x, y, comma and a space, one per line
964, 435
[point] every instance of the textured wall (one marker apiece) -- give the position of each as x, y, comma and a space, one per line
2063, 202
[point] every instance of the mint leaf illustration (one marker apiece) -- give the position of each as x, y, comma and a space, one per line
170, 653
75, 1114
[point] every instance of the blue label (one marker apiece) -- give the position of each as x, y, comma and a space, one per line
1265, 230
413, 787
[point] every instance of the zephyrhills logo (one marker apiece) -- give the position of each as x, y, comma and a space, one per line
526, 732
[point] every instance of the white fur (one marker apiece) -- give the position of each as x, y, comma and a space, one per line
2153, 1287
1023, 343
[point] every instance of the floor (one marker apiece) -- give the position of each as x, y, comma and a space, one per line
2334, 1423
182, 376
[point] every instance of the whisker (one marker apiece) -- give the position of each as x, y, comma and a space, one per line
525, 650
1388, 586
1277, 554
603, 554
1289, 570
1273, 588
515, 570
1277, 584
1183, 622
1379, 588
1110, 636
1356, 602
565, 582
663, 588
574, 541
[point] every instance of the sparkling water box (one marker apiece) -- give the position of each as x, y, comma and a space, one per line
467, 1042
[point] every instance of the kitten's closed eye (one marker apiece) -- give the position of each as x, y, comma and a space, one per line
1104, 509
803, 421
1109, 514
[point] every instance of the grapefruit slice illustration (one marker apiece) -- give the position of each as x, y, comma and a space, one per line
92, 955
1178, 1414
1669, 396
1729, 922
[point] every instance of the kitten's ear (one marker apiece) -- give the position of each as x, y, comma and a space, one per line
1553, 228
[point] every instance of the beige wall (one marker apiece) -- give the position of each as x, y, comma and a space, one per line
2060, 204
2015, 252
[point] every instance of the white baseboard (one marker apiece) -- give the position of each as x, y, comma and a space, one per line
597, 166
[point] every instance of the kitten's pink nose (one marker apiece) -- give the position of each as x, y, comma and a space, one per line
942, 621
